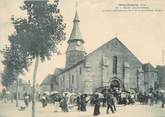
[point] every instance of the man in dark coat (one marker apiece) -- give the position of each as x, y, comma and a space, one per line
162, 99
44, 100
78, 101
104, 100
97, 106
83, 102
109, 103
113, 103
26, 99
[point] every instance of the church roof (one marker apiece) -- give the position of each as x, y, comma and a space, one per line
66, 69
75, 34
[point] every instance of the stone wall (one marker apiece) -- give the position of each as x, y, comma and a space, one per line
71, 79
97, 70
108, 51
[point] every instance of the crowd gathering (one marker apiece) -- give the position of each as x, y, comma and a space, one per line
108, 98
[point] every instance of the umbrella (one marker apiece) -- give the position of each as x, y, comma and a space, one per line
46, 92
162, 91
126, 91
54, 92
99, 94
132, 91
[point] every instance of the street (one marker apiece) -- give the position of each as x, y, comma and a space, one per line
137, 110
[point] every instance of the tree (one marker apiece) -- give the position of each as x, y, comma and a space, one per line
15, 61
15, 58
40, 32
7, 77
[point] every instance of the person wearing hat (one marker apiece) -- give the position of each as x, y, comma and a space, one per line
109, 103
44, 100
97, 105
83, 102
65, 102
78, 101
162, 98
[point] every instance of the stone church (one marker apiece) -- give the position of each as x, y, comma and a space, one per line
111, 65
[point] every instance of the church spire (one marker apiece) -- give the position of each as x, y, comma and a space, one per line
76, 34
75, 51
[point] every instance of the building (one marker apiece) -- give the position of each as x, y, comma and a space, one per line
151, 76
161, 76
111, 65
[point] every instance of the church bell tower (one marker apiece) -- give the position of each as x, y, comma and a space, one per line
75, 51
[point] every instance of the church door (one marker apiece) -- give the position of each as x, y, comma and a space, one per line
115, 84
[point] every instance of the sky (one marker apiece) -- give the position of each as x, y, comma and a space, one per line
143, 32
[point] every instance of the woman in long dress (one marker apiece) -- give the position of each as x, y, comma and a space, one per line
64, 104
97, 106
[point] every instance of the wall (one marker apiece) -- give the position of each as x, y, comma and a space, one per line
150, 79
108, 50
97, 70
71, 80
161, 76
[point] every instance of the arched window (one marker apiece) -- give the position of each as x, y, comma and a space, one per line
51, 87
115, 65
63, 80
80, 71
72, 79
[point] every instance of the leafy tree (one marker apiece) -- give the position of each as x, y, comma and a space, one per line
15, 61
15, 58
7, 77
39, 33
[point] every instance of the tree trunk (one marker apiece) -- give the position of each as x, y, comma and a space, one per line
34, 84
17, 90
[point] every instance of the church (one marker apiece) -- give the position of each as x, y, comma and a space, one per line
112, 65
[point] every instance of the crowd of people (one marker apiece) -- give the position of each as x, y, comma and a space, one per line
151, 98
108, 99
6, 96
